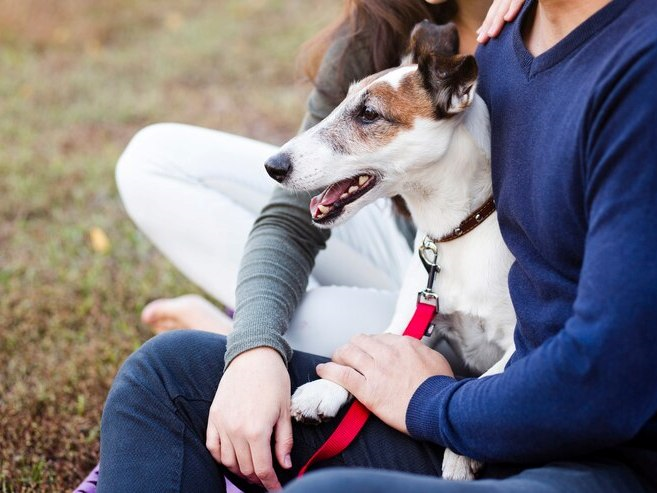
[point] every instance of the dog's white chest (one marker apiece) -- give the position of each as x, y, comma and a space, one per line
476, 314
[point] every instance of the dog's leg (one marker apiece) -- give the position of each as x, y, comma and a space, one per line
321, 399
458, 467
318, 401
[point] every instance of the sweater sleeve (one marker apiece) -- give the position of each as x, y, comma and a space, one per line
593, 385
281, 249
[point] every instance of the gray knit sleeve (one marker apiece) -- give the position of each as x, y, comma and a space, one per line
280, 252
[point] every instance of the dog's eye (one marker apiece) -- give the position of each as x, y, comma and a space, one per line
369, 115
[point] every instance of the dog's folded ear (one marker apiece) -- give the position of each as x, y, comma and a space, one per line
449, 78
428, 37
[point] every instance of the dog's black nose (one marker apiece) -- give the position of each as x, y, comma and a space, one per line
278, 166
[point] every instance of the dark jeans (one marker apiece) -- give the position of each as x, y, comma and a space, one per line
153, 438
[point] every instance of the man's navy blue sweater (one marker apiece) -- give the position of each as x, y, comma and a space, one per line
574, 156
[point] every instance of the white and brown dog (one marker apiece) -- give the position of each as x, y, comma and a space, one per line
420, 131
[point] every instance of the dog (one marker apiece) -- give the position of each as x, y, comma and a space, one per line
419, 131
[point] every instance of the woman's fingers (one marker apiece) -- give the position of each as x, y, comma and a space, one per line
263, 468
251, 395
513, 10
245, 461
497, 24
283, 439
500, 12
488, 21
212, 442
227, 457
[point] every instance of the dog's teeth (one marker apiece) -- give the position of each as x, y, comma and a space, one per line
344, 195
352, 189
323, 209
362, 180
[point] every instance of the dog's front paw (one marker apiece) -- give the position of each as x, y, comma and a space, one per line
318, 401
458, 467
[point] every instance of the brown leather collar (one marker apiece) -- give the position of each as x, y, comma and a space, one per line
470, 222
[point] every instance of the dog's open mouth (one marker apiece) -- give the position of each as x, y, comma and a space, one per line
329, 204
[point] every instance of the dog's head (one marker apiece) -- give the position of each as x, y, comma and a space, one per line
389, 125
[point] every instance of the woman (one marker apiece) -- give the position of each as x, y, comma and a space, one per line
252, 401
196, 194
223, 203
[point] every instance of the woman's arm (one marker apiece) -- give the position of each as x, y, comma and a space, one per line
252, 405
281, 249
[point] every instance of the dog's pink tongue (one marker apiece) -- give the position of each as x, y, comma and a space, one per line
330, 195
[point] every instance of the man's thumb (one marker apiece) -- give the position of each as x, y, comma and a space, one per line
283, 440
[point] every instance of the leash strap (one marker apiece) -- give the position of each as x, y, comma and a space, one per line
357, 414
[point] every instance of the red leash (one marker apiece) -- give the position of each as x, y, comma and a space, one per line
420, 324
357, 415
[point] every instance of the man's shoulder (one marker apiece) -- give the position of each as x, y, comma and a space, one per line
635, 30
627, 50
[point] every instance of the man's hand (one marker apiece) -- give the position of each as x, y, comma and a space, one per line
383, 371
252, 403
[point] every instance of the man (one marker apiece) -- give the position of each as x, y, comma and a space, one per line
572, 92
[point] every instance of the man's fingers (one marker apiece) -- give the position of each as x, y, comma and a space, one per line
388, 339
262, 464
283, 439
355, 356
344, 376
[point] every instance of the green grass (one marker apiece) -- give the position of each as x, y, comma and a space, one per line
79, 78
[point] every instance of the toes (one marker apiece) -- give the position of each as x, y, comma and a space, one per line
165, 325
152, 311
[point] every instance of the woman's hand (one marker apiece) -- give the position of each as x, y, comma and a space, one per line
383, 372
500, 12
252, 403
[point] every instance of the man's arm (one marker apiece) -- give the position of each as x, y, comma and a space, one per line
594, 384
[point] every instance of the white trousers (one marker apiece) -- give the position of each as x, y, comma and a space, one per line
195, 194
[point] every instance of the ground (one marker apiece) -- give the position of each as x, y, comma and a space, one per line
78, 79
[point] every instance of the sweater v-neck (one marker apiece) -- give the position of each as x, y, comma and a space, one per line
533, 65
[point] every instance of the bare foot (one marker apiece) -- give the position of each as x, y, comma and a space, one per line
190, 311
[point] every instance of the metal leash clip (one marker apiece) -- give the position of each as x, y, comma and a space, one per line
429, 256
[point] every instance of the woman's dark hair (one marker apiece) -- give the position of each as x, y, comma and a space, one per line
383, 25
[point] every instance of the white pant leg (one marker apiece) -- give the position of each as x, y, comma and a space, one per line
196, 192
328, 316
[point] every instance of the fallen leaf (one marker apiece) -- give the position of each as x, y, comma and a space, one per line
100, 243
